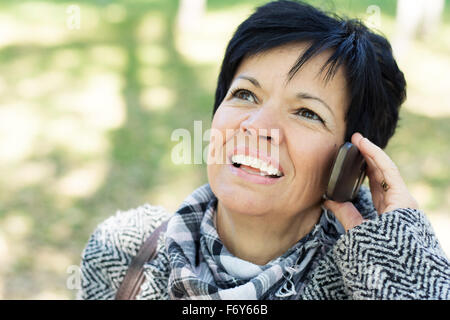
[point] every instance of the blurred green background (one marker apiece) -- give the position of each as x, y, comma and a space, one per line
91, 91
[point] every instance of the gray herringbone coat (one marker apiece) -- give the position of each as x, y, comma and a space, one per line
395, 255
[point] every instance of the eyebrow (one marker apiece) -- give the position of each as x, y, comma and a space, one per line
300, 95
304, 95
252, 80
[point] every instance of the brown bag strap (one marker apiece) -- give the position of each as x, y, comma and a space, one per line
134, 277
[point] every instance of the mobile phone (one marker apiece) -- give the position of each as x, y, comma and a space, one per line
347, 174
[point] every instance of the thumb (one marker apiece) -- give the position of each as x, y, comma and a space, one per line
345, 212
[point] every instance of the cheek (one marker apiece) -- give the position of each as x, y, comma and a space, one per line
313, 159
225, 124
226, 118
223, 129
218, 133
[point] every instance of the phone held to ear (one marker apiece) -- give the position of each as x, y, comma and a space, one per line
347, 174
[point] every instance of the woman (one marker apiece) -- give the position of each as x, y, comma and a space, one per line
298, 84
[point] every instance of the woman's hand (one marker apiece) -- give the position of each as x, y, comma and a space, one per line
388, 189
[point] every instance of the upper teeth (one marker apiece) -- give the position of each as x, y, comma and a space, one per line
256, 163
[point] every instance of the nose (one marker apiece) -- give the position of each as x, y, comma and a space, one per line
263, 123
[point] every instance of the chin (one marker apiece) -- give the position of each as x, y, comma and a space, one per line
244, 200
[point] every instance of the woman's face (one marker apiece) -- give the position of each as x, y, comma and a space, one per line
297, 124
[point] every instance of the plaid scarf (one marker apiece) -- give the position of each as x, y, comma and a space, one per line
202, 268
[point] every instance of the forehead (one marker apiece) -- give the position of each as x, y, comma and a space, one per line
275, 65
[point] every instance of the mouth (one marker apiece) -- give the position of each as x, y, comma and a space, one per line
255, 166
251, 170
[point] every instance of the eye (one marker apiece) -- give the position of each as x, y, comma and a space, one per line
244, 94
306, 113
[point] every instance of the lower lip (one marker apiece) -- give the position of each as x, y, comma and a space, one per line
252, 177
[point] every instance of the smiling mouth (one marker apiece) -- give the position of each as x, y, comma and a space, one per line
255, 171
255, 167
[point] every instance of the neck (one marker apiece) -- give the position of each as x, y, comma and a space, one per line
260, 239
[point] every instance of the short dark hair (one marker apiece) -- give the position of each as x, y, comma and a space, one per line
377, 87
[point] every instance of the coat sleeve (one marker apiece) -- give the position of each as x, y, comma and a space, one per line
111, 247
96, 282
394, 256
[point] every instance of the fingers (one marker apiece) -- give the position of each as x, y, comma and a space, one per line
346, 213
380, 166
